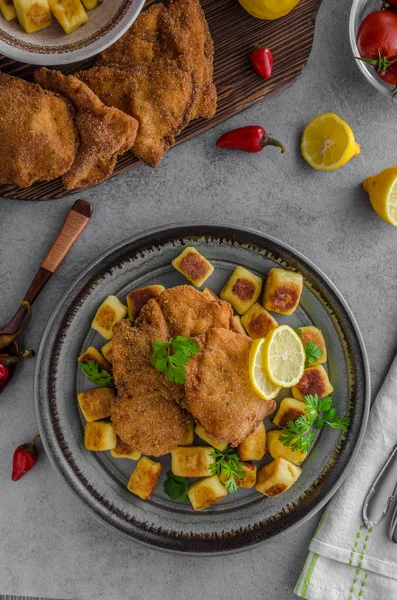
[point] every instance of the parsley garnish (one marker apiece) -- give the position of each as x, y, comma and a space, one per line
176, 487
228, 464
173, 356
313, 353
91, 369
299, 434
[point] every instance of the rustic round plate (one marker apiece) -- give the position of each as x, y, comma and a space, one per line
242, 519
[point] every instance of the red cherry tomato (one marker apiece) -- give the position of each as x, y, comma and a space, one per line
392, 3
377, 35
390, 75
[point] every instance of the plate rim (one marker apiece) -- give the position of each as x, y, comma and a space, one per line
172, 230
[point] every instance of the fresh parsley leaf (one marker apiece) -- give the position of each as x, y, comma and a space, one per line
299, 435
313, 353
176, 487
298, 331
172, 357
101, 378
228, 464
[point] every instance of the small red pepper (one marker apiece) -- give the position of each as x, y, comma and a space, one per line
25, 457
3, 370
249, 139
262, 60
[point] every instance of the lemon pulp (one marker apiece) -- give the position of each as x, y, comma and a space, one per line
328, 142
382, 190
263, 386
284, 356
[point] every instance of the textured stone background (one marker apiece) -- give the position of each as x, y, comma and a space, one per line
50, 546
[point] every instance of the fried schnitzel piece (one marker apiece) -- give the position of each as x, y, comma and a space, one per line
38, 139
104, 132
188, 312
145, 413
219, 393
158, 95
180, 31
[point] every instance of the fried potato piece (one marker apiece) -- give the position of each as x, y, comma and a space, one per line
219, 393
99, 436
145, 478
282, 291
180, 31
138, 298
123, 450
242, 289
107, 351
206, 492
38, 138
277, 449
159, 96
277, 477
110, 312
104, 132
311, 334
70, 14
314, 381
188, 435
254, 446
201, 432
210, 294
96, 404
192, 265
258, 322
249, 479
7, 9
192, 461
93, 354
33, 15
237, 325
290, 409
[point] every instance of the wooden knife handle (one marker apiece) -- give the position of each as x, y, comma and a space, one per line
75, 223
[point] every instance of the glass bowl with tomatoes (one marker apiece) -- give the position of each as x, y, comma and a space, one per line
373, 38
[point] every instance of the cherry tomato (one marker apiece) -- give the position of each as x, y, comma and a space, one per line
390, 75
377, 35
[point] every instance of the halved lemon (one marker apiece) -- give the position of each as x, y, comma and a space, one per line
284, 356
382, 190
260, 381
328, 143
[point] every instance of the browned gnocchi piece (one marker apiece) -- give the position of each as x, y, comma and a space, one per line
96, 404
206, 492
258, 321
144, 478
242, 289
277, 477
314, 381
193, 266
282, 291
139, 297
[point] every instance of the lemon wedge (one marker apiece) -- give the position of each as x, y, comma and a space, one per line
284, 356
382, 190
259, 379
268, 9
328, 143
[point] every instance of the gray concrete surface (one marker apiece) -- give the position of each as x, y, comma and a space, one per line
50, 546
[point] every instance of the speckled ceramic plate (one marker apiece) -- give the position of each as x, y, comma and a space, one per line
243, 519
51, 46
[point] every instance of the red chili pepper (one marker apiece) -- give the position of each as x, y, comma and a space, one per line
25, 457
249, 139
262, 60
3, 370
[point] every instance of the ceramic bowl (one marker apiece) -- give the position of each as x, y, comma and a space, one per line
51, 46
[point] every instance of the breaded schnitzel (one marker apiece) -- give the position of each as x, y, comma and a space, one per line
146, 413
219, 393
180, 31
187, 312
38, 139
159, 72
104, 132
158, 95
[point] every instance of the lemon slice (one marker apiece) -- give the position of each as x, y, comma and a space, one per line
382, 190
328, 143
260, 381
284, 356
268, 9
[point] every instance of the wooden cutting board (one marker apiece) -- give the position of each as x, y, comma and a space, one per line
239, 87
